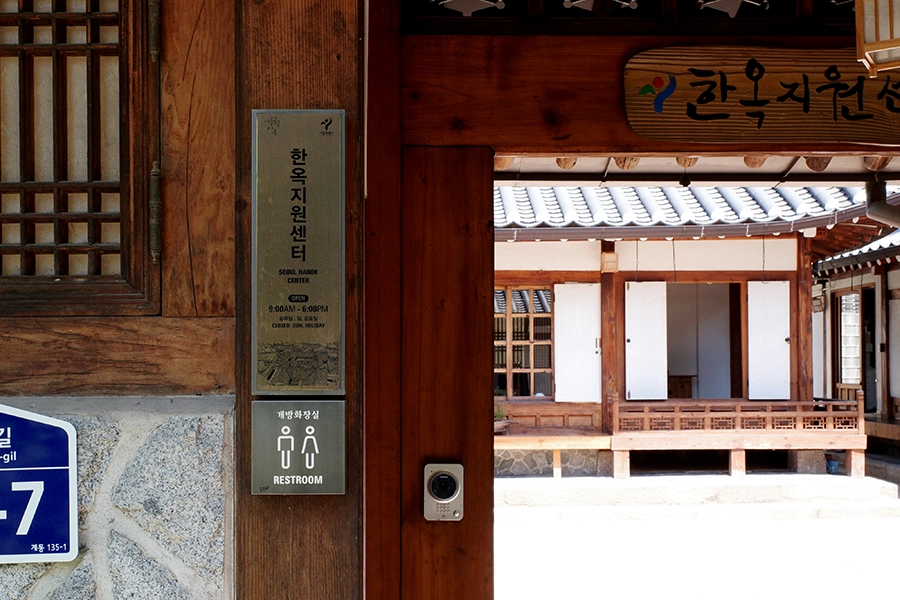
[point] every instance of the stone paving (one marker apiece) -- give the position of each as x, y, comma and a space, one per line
677, 540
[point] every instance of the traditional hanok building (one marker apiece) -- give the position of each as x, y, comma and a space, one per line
134, 244
706, 285
855, 327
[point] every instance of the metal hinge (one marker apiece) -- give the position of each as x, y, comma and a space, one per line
155, 214
153, 28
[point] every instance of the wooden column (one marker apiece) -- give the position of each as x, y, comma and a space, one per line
609, 383
887, 403
447, 255
855, 463
804, 346
300, 55
621, 464
737, 462
382, 306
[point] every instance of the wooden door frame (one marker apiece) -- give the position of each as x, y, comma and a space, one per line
410, 105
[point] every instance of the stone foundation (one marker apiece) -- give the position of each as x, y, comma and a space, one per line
154, 501
808, 462
539, 463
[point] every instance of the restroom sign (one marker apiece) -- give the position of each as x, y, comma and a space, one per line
38, 488
298, 447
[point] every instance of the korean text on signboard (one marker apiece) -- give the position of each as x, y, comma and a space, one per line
298, 252
732, 94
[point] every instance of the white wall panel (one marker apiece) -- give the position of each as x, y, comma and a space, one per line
645, 341
547, 256
818, 354
708, 255
576, 339
768, 322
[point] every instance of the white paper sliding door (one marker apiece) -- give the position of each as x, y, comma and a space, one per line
645, 341
768, 340
576, 340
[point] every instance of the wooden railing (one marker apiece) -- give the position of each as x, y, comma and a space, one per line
548, 416
723, 415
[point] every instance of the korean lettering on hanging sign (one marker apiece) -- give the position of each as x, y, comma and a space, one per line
734, 94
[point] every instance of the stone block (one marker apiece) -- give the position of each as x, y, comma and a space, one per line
79, 585
807, 462
96, 441
16, 581
173, 490
136, 575
523, 463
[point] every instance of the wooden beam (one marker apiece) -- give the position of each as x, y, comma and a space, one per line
545, 104
770, 440
116, 356
544, 277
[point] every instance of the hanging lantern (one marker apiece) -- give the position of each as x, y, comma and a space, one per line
878, 34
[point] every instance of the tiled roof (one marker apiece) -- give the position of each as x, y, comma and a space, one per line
887, 247
530, 207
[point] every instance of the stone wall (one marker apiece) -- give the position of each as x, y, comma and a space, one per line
155, 490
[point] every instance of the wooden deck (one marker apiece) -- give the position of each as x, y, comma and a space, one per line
736, 425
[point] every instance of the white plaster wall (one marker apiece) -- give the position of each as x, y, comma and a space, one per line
818, 354
708, 255
681, 317
547, 256
714, 347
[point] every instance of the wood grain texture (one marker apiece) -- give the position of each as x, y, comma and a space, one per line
541, 100
116, 356
802, 349
544, 277
447, 254
382, 559
299, 55
198, 159
759, 104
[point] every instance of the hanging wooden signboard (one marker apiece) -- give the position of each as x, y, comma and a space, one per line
739, 95
298, 252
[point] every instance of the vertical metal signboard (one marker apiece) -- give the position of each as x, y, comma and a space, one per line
38, 494
298, 252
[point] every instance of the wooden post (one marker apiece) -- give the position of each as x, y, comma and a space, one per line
855, 463
621, 464
802, 350
737, 462
608, 335
887, 403
557, 464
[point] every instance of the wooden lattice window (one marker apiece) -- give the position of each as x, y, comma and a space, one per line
78, 136
523, 343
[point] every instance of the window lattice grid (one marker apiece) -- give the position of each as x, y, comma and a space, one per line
60, 191
523, 343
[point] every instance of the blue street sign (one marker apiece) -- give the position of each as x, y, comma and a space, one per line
38, 493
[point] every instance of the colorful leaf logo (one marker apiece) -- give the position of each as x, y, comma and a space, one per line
656, 89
